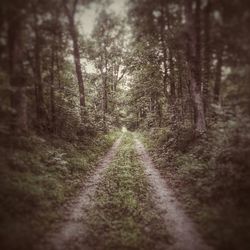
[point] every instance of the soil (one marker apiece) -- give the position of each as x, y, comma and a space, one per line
180, 226
69, 234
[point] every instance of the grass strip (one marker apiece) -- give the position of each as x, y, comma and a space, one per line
123, 216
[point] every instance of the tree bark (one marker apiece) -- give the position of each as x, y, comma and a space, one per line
193, 70
76, 54
218, 71
197, 22
52, 91
19, 122
180, 73
172, 75
207, 55
40, 106
164, 47
105, 95
104, 101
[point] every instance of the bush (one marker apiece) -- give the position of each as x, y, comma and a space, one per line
211, 175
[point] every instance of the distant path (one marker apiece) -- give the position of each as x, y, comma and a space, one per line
178, 223
69, 234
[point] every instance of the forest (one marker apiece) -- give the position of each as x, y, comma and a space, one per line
124, 125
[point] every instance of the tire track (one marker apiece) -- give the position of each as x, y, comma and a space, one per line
69, 234
180, 226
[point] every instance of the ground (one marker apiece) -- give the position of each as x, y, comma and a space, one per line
104, 193
124, 204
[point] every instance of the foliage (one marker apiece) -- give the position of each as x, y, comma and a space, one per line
211, 176
168, 65
36, 180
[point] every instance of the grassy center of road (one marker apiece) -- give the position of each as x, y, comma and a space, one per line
123, 216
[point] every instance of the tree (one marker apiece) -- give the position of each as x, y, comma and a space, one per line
193, 60
70, 13
17, 75
107, 53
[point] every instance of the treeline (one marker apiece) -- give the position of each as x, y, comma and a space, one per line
44, 84
190, 96
190, 62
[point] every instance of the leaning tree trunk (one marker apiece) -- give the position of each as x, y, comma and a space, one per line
76, 54
207, 56
19, 122
197, 24
193, 70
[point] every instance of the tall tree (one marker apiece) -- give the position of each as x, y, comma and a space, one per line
194, 69
108, 55
39, 88
207, 54
218, 72
70, 13
17, 74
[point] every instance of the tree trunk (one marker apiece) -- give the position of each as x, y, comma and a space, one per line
207, 55
218, 71
105, 95
172, 75
159, 112
52, 92
193, 71
40, 106
197, 22
19, 122
164, 47
76, 54
104, 101
180, 73
170, 58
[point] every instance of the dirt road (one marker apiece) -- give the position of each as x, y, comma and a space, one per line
120, 164
70, 233
178, 223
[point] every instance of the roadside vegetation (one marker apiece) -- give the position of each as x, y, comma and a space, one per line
210, 175
178, 71
189, 95
37, 176
124, 216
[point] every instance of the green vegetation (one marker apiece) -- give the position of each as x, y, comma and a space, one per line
123, 216
176, 70
189, 94
211, 178
37, 176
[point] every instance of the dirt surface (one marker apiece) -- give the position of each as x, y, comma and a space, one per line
69, 234
178, 223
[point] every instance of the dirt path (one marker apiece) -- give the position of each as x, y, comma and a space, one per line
69, 234
178, 223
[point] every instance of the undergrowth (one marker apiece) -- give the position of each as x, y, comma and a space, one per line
211, 176
123, 216
37, 175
